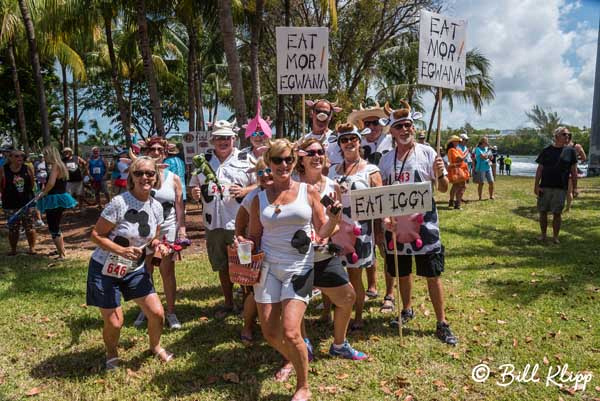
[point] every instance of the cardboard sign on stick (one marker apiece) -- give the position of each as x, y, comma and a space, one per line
194, 143
442, 51
302, 60
391, 200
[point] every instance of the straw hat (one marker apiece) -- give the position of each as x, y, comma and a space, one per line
453, 138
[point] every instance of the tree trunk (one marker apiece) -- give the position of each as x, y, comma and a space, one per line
37, 71
254, 44
75, 121
114, 72
200, 123
191, 77
19, 96
233, 64
144, 43
64, 139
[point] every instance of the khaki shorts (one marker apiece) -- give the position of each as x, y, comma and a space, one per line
552, 200
216, 246
75, 188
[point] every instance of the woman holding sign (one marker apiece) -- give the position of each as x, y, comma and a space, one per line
355, 238
282, 218
413, 162
129, 223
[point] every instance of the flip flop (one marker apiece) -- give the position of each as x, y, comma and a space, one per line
112, 363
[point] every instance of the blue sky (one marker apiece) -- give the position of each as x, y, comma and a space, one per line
543, 53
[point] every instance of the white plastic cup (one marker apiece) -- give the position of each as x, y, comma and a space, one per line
244, 252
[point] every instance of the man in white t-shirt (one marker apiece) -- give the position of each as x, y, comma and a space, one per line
321, 114
413, 162
375, 144
221, 198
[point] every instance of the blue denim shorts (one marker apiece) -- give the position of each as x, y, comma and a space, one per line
105, 291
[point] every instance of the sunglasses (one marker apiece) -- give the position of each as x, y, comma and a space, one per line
258, 133
566, 134
261, 173
372, 122
313, 152
222, 138
402, 125
147, 173
347, 139
156, 149
17, 156
278, 160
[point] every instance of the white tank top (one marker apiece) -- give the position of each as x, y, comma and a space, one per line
166, 196
280, 228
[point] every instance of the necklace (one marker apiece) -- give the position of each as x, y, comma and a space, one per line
277, 206
397, 175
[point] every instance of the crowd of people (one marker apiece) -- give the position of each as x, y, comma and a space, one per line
289, 202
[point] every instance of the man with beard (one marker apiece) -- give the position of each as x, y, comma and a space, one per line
321, 114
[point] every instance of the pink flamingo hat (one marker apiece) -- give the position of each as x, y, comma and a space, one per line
258, 123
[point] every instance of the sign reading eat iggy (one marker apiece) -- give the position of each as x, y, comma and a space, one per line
302, 60
390, 200
442, 51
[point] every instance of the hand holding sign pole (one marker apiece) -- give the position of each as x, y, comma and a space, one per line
390, 201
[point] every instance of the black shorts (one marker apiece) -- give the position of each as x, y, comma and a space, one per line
330, 273
431, 265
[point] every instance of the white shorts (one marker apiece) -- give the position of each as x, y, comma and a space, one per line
283, 282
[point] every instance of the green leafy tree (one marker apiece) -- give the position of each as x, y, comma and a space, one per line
545, 121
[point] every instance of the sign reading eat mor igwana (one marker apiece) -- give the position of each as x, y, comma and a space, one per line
442, 51
390, 200
302, 60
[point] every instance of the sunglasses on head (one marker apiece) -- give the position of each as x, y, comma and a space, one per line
258, 133
347, 139
371, 122
278, 160
403, 125
314, 152
266, 171
147, 173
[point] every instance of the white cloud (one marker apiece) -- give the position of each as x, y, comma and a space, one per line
535, 60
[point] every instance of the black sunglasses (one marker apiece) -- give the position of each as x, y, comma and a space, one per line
278, 160
372, 122
147, 173
347, 139
401, 125
313, 153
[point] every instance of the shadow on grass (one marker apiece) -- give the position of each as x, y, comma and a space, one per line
202, 293
77, 364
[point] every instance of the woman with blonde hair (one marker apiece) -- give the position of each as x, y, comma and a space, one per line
55, 198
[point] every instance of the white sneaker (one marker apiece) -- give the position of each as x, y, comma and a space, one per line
315, 293
172, 321
139, 320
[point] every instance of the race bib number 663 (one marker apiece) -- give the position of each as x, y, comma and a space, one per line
117, 266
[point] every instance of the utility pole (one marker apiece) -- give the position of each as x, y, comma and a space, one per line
594, 160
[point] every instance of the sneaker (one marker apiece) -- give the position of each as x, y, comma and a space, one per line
139, 320
40, 223
309, 348
406, 315
347, 352
444, 333
315, 293
173, 322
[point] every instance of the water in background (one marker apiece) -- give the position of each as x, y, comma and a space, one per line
526, 166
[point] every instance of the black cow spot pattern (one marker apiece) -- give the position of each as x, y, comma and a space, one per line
208, 156
374, 158
303, 283
208, 217
417, 176
301, 241
347, 211
133, 216
363, 249
365, 227
124, 242
243, 156
239, 200
167, 207
353, 186
204, 191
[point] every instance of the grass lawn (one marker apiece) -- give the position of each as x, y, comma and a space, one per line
510, 300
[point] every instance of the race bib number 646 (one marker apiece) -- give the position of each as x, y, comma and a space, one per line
117, 266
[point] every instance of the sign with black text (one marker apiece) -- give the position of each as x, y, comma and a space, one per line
442, 51
302, 60
391, 200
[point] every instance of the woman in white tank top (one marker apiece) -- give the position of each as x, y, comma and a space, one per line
330, 276
170, 195
281, 220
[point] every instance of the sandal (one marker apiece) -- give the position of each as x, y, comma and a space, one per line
246, 340
112, 363
372, 294
167, 355
283, 374
388, 305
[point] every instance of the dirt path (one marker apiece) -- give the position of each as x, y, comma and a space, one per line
77, 226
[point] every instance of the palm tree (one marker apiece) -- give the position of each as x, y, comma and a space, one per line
545, 122
144, 43
233, 61
255, 33
37, 71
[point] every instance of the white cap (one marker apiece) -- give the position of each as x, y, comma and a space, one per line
223, 128
464, 136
